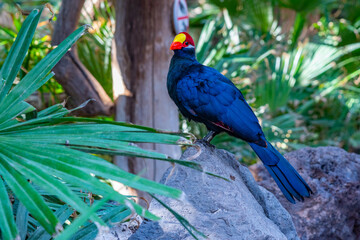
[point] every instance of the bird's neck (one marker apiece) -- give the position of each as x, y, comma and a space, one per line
185, 53
182, 60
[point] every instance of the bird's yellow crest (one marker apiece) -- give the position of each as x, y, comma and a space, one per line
180, 38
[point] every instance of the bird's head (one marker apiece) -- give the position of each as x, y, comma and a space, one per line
182, 40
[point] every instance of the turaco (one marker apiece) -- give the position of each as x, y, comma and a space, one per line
204, 95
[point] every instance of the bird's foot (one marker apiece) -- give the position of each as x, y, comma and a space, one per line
204, 142
209, 136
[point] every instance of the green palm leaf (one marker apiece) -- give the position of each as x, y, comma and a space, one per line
43, 153
7, 222
17, 53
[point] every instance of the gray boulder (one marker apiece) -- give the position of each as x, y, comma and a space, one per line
236, 209
333, 212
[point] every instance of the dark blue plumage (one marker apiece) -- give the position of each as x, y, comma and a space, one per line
204, 95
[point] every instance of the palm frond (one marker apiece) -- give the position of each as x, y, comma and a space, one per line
43, 152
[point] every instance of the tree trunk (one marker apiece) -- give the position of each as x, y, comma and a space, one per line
143, 35
76, 80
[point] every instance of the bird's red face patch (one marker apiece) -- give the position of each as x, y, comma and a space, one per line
182, 40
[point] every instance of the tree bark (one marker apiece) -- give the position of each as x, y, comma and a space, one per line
143, 35
76, 80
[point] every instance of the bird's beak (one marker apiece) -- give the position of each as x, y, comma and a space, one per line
176, 45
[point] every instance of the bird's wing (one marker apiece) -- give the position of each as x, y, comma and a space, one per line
210, 98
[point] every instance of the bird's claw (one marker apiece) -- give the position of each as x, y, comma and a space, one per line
204, 142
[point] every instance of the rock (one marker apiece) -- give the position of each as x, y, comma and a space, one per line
235, 209
333, 212
120, 231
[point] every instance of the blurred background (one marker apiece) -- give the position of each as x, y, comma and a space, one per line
296, 62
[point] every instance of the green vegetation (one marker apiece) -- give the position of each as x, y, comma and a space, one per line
94, 49
51, 92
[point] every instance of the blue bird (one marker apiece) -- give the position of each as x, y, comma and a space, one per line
204, 95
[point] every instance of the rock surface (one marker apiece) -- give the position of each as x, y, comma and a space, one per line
333, 212
121, 231
236, 209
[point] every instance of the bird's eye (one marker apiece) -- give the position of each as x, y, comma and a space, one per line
186, 43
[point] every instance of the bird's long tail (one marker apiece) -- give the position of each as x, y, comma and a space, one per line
287, 178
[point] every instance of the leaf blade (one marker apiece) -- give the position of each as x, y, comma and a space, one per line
7, 222
27, 195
